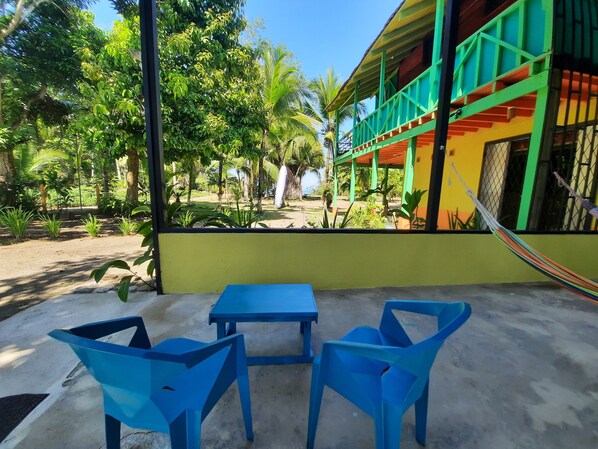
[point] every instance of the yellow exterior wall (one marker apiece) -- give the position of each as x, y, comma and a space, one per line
208, 262
468, 158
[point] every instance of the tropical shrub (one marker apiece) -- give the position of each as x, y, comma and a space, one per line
16, 220
52, 224
186, 219
471, 223
127, 226
369, 217
92, 225
408, 209
326, 223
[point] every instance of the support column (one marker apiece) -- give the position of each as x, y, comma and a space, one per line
335, 185
537, 169
409, 167
153, 125
374, 177
449, 45
437, 45
353, 176
382, 79
354, 139
337, 126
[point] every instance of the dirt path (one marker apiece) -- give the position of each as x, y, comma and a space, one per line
36, 270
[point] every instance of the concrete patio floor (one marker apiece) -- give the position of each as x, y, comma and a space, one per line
521, 373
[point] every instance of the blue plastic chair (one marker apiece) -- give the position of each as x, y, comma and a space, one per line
382, 371
168, 388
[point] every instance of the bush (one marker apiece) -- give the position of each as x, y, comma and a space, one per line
52, 224
128, 226
368, 217
92, 225
186, 219
16, 220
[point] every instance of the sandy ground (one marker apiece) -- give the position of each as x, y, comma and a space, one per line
35, 270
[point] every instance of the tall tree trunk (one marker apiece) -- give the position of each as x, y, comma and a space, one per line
132, 176
293, 188
260, 171
327, 163
220, 169
105, 177
191, 184
7, 163
43, 195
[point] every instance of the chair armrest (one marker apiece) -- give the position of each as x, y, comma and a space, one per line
196, 356
423, 307
101, 329
389, 354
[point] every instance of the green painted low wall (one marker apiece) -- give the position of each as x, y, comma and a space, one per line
208, 262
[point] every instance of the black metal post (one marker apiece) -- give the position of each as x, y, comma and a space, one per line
449, 45
153, 124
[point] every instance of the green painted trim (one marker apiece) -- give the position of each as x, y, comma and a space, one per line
381, 100
335, 186
336, 131
436, 47
533, 157
409, 167
353, 176
374, 177
548, 6
525, 87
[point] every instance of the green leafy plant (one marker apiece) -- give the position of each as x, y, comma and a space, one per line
146, 230
384, 190
327, 224
16, 220
471, 223
368, 217
186, 219
52, 224
127, 226
241, 218
92, 225
408, 209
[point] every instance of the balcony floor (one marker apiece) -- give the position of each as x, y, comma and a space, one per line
520, 374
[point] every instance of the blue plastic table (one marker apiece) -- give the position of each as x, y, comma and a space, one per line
267, 303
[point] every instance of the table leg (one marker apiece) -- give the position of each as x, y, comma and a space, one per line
232, 328
306, 338
220, 330
301, 326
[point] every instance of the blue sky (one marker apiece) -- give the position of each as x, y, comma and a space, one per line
320, 33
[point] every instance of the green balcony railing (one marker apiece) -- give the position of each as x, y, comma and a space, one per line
511, 40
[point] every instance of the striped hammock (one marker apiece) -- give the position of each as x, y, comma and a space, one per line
561, 275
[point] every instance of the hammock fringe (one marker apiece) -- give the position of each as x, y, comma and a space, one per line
561, 275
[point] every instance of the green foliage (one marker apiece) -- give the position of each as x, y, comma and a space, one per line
52, 224
369, 217
409, 207
186, 219
16, 220
127, 226
384, 190
241, 217
471, 223
325, 223
92, 225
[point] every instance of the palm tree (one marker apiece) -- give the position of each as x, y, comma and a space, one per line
284, 92
324, 90
300, 153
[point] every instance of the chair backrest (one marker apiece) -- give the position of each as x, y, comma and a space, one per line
421, 355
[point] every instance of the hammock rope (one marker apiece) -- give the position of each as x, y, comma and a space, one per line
585, 203
561, 275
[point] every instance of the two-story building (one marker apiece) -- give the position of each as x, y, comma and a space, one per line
523, 105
